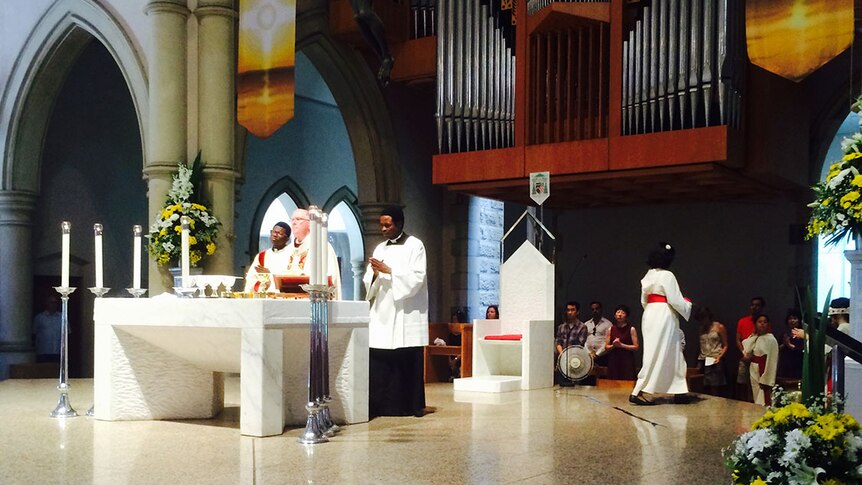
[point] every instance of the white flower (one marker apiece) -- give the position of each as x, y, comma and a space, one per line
836, 180
853, 443
796, 443
757, 441
169, 246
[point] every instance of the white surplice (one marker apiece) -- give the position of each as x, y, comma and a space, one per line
664, 367
297, 264
275, 260
399, 301
760, 346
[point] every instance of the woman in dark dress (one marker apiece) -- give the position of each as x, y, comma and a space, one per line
621, 345
790, 350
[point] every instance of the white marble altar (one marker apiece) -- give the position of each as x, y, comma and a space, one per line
853, 369
527, 308
164, 358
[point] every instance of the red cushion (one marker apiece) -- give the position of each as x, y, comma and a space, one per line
512, 336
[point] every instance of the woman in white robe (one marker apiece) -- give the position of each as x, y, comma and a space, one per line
664, 368
761, 349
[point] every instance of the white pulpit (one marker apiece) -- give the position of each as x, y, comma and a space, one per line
164, 358
527, 310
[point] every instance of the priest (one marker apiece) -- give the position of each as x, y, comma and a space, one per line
396, 286
268, 262
297, 263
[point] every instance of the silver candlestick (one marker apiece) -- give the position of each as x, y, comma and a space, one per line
99, 292
64, 407
137, 292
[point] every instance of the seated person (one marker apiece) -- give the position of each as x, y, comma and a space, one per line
268, 262
296, 263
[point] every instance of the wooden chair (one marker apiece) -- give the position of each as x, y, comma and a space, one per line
437, 369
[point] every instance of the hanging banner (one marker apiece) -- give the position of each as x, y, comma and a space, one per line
793, 38
540, 186
267, 55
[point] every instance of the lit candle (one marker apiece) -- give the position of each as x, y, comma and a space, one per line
66, 226
97, 230
136, 257
184, 258
324, 248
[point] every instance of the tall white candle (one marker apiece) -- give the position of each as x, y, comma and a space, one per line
314, 234
136, 256
66, 226
324, 249
185, 223
97, 231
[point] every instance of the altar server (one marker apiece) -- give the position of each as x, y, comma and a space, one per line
268, 262
297, 263
664, 367
761, 351
397, 288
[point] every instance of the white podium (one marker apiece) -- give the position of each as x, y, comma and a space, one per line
163, 358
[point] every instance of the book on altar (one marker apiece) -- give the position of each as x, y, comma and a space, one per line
292, 283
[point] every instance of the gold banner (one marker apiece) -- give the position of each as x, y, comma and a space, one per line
793, 38
267, 55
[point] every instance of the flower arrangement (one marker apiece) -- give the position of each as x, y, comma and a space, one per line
837, 206
797, 444
165, 233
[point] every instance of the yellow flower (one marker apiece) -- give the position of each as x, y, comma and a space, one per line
211, 247
857, 180
851, 156
833, 481
848, 198
826, 201
163, 232
199, 207
193, 240
758, 481
178, 228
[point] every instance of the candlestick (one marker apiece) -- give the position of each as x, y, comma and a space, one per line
97, 230
185, 222
136, 257
314, 234
66, 226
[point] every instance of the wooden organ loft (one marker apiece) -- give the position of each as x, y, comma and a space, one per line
622, 101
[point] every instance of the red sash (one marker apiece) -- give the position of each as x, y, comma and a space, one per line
760, 360
655, 298
260, 257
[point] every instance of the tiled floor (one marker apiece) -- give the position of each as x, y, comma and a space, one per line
567, 436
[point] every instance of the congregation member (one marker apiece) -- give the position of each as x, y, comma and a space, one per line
791, 348
621, 345
396, 285
664, 368
713, 347
571, 332
492, 313
296, 263
270, 261
598, 328
760, 351
47, 329
744, 329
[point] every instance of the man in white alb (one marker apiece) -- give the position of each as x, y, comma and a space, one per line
298, 248
397, 287
268, 262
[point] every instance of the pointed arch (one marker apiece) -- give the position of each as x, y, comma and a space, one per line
38, 74
285, 185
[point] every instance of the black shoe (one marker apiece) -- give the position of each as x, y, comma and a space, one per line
640, 401
681, 399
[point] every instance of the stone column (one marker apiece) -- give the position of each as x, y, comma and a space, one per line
217, 119
168, 111
16, 279
852, 369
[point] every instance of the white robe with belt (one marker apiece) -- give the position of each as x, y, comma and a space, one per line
273, 260
759, 346
664, 367
399, 301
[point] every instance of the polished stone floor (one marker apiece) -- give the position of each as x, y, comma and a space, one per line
567, 436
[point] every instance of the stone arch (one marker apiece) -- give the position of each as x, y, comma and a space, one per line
365, 114
284, 185
38, 74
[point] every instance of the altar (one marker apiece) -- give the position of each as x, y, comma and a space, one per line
165, 358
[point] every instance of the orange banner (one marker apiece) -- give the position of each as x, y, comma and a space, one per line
267, 55
793, 38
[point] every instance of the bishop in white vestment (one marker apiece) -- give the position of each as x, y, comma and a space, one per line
297, 263
396, 285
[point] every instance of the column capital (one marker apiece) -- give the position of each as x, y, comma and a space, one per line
855, 257
179, 7
17, 207
159, 170
220, 172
